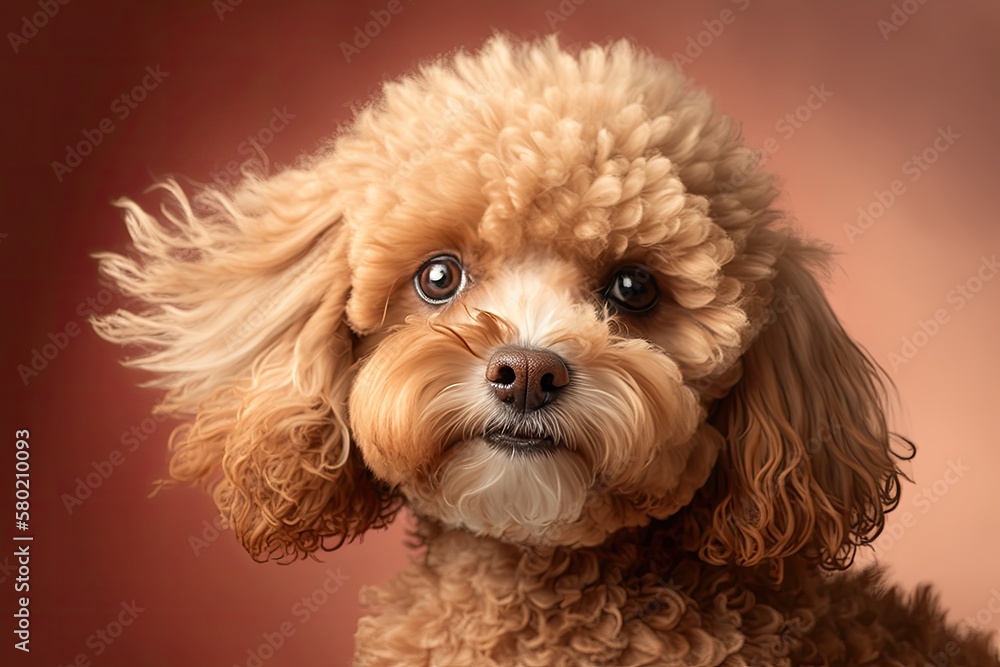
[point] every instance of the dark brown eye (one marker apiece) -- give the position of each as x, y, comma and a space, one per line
439, 279
632, 289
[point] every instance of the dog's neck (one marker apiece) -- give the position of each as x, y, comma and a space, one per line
650, 552
636, 576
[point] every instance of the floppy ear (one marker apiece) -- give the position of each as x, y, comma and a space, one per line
807, 466
240, 313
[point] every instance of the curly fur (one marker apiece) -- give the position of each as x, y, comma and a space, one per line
714, 458
638, 600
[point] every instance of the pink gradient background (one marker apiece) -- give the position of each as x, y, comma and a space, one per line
225, 76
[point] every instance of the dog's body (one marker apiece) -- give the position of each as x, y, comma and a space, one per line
542, 299
640, 600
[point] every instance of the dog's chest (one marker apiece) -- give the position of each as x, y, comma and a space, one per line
639, 601
476, 602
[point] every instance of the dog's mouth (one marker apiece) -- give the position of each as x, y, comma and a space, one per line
519, 442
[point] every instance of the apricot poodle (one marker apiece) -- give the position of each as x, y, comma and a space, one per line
541, 298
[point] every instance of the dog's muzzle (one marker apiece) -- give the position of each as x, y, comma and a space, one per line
526, 380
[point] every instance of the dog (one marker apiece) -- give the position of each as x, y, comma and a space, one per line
541, 298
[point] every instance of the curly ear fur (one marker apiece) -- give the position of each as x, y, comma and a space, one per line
242, 320
808, 465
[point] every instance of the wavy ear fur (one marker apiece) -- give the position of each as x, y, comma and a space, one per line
808, 465
240, 314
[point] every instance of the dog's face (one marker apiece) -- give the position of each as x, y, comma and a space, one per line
522, 389
538, 296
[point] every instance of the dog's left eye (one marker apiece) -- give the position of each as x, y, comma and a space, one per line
632, 289
439, 279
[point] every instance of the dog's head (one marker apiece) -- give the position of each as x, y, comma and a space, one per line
536, 295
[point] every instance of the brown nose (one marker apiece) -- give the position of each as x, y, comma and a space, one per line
526, 379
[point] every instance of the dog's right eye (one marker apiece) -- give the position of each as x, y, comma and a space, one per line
439, 279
